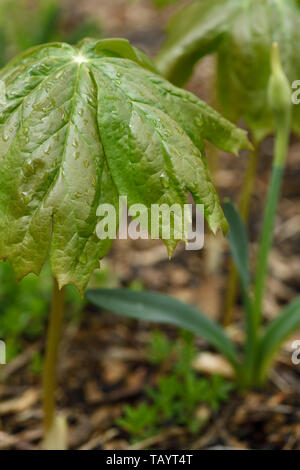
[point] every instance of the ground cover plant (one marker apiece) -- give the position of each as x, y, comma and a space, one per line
81, 126
178, 393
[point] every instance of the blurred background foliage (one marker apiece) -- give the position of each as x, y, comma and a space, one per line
163, 3
24, 24
24, 305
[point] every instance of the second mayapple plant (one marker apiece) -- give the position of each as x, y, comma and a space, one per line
261, 344
240, 33
80, 127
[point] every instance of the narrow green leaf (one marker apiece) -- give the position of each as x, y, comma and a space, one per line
276, 333
153, 307
238, 242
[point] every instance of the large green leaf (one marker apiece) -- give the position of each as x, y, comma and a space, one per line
83, 126
154, 307
241, 32
276, 333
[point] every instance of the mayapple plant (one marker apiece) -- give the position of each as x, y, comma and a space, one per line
260, 345
80, 127
241, 33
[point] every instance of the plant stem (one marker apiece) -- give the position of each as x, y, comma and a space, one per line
248, 184
213, 152
213, 253
281, 146
244, 209
53, 339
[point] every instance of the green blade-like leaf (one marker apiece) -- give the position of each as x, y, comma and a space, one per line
276, 333
153, 307
239, 247
238, 242
81, 126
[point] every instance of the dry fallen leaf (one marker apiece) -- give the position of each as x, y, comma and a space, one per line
209, 363
17, 405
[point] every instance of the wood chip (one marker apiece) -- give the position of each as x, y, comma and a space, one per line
7, 441
209, 363
17, 405
99, 441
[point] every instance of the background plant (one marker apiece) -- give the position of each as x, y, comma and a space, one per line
240, 33
160, 3
24, 24
163, 3
260, 346
24, 305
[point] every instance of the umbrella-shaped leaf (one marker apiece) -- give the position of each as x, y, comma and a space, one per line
81, 126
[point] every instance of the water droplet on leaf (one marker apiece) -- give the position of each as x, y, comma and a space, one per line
25, 196
82, 258
164, 180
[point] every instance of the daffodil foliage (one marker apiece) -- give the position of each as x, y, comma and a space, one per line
81, 126
241, 32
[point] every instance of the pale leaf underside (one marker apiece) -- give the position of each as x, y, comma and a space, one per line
241, 33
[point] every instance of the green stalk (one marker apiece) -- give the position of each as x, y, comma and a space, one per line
280, 102
281, 146
244, 209
248, 184
53, 339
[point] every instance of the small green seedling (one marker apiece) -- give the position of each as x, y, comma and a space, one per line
79, 128
260, 346
160, 348
178, 393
